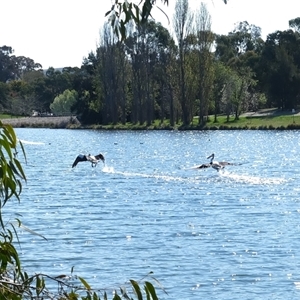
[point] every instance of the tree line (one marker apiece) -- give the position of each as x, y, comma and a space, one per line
153, 75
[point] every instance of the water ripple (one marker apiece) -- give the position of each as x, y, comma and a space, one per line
204, 234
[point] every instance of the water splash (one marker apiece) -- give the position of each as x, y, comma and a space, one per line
251, 179
111, 170
221, 175
107, 169
31, 143
297, 285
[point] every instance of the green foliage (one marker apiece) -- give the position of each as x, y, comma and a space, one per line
122, 12
11, 174
13, 67
4, 94
281, 61
295, 24
63, 103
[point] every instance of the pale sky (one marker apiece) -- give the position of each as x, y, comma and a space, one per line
60, 33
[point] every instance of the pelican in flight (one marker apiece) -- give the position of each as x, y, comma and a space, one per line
215, 164
93, 159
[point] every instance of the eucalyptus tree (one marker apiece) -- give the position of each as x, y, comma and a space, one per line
295, 24
205, 39
242, 95
122, 12
75, 77
33, 75
4, 95
233, 91
43, 94
85, 83
13, 67
25, 65
228, 93
245, 37
22, 100
48, 86
57, 80
236, 96
241, 50
280, 62
81, 82
221, 72
182, 22
8, 69
19, 73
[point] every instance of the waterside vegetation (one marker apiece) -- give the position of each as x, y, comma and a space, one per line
157, 74
270, 119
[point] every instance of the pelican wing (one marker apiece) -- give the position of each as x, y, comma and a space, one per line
203, 166
78, 159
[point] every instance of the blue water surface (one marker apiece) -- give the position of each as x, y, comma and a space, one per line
233, 234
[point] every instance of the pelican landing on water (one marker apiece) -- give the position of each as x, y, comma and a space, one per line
215, 164
93, 159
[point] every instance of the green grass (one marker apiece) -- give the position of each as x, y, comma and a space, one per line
8, 116
279, 122
262, 122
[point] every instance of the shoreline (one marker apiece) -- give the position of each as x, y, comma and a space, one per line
71, 122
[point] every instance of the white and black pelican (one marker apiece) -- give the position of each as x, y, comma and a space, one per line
215, 164
93, 159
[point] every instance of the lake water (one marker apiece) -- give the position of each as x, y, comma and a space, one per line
204, 234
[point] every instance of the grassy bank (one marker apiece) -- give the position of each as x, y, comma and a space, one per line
283, 122
257, 121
